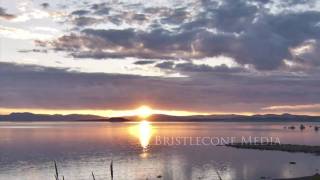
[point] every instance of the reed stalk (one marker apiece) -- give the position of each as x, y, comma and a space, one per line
93, 176
56, 171
220, 178
111, 169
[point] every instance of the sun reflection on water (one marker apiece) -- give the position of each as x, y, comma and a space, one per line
143, 131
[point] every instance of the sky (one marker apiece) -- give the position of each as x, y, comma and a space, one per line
178, 57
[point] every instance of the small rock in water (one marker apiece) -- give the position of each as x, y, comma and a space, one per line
292, 127
292, 162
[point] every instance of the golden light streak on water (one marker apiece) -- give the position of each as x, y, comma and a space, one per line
143, 131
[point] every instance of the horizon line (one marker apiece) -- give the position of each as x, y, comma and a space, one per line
214, 114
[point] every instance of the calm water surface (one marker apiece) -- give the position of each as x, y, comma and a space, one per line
27, 151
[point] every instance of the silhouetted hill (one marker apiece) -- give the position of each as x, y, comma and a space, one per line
46, 117
117, 119
161, 118
230, 117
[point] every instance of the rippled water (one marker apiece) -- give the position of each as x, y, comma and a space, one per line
27, 151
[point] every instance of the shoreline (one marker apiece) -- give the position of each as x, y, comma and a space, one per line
292, 148
313, 177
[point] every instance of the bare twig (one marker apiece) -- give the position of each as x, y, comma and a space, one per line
93, 176
56, 171
220, 178
111, 169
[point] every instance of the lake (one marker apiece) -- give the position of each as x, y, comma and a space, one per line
147, 150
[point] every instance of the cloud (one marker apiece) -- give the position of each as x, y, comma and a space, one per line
85, 21
273, 48
125, 43
33, 51
80, 12
143, 62
191, 67
176, 16
33, 14
165, 65
246, 31
31, 86
307, 53
293, 107
5, 15
17, 33
101, 9
310, 108
45, 5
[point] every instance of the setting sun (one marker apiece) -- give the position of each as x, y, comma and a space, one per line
144, 111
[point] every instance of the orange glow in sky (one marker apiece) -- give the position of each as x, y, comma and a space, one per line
142, 111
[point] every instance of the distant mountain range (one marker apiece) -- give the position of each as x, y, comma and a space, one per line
160, 118
234, 117
47, 117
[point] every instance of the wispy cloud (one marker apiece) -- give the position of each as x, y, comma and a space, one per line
17, 33
33, 14
303, 107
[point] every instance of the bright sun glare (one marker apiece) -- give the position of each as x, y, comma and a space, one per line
144, 111
143, 131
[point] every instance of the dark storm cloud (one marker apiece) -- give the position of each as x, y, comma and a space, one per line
45, 5
102, 11
231, 16
41, 87
144, 62
98, 6
85, 21
80, 12
5, 15
124, 38
176, 16
158, 43
240, 29
107, 12
165, 65
190, 67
